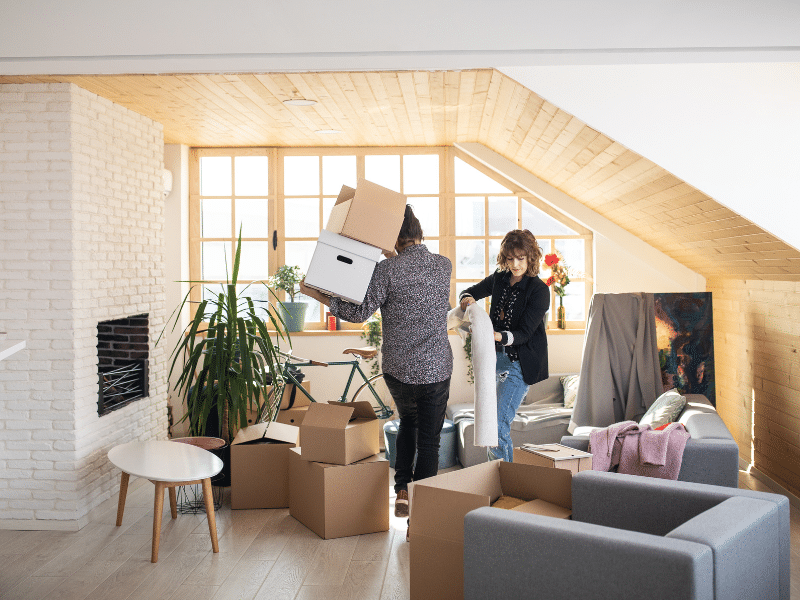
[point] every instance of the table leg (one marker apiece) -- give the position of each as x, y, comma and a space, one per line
208, 498
158, 508
123, 493
173, 503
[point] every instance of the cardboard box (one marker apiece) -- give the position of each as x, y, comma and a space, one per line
339, 433
292, 416
260, 465
300, 399
439, 504
553, 456
342, 267
370, 213
339, 500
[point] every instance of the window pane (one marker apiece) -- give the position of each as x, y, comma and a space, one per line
215, 176
574, 255
575, 301
427, 211
211, 292
336, 172
259, 294
471, 181
540, 223
301, 217
252, 175
312, 311
215, 217
254, 261
432, 245
253, 217
299, 253
544, 270
300, 175
215, 260
383, 170
421, 174
494, 250
502, 214
470, 260
469, 216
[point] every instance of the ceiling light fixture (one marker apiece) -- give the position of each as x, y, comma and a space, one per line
328, 131
299, 102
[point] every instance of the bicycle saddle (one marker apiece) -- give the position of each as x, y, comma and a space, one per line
366, 352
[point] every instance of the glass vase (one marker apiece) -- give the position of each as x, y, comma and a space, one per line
562, 314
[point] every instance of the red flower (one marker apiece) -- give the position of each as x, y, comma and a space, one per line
550, 280
550, 260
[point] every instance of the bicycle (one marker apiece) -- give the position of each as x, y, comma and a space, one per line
373, 390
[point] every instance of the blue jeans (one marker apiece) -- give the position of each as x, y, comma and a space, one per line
511, 391
421, 409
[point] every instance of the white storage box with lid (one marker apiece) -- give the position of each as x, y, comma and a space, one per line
342, 267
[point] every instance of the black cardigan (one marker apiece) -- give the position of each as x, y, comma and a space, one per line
527, 319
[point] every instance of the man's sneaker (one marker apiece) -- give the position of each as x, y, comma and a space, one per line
401, 504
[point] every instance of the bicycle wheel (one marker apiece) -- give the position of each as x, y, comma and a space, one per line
364, 393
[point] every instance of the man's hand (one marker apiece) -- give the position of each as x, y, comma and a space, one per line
466, 301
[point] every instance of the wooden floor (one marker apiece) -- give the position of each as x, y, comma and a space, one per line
264, 554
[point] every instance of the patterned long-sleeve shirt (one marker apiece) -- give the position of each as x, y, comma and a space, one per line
412, 290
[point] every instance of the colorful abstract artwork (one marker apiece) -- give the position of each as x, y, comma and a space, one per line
684, 326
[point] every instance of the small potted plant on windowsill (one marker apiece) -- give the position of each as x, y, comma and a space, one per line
293, 313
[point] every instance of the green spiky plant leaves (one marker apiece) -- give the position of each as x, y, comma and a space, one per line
228, 369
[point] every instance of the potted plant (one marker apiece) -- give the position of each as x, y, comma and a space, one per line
293, 313
226, 358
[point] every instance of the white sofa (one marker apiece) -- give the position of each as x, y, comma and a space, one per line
542, 419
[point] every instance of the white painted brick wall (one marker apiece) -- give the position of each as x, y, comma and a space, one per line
81, 241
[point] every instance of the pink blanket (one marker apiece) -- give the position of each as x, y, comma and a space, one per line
639, 450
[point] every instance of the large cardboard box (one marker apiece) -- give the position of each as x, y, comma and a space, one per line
439, 505
300, 399
370, 213
260, 465
342, 267
339, 433
292, 416
339, 500
554, 456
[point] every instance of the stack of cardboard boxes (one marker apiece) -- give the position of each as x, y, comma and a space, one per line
363, 222
338, 481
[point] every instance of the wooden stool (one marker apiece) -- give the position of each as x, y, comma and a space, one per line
167, 465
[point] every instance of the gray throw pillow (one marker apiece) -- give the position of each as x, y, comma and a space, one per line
664, 410
570, 384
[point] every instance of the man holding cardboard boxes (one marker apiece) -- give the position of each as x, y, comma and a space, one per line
412, 289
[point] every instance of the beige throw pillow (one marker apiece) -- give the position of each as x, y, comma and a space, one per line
664, 410
570, 384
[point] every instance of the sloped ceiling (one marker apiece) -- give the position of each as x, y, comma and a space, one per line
427, 108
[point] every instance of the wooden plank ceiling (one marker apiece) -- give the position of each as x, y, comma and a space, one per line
440, 108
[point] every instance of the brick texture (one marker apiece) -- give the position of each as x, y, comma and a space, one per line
81, 241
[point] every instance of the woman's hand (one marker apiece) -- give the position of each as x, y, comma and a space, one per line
466, 301
498, 337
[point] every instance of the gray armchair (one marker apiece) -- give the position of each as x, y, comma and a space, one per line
634, 537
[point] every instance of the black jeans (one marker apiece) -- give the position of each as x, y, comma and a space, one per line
421, 409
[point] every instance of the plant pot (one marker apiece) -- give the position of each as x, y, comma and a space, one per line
294, 315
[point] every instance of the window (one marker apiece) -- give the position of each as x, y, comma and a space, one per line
280, 198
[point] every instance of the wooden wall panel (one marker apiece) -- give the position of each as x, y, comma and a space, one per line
756, 338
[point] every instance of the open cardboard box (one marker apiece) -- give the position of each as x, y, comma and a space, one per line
370, 213
292, 416
438, 506
260, 465
554, 456
342, 267
339, 500
339, 433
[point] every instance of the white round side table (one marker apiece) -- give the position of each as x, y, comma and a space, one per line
167, 465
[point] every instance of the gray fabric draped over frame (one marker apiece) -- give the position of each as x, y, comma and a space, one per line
620, 372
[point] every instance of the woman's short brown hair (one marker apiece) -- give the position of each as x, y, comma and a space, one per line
516, 242
411, 230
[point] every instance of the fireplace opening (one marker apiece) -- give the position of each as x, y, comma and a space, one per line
123, 353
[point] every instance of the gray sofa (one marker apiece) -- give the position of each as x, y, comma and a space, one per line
711, 455
634, 537
542, 419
